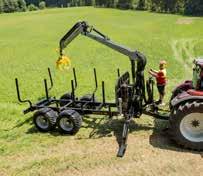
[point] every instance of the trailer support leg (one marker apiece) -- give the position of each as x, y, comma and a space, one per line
123, 143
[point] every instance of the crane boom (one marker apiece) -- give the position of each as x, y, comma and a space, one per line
84, 29
90, 32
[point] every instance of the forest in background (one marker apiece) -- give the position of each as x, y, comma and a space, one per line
187, 7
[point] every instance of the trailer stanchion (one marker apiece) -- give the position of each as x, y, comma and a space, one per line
96, 85
73, 90
103, 92
95, 78
46, 89
51, 80
118, 72
93, 98
18, 94
109, 109
75, 78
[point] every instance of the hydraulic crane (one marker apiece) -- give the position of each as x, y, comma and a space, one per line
131, 95
138, 84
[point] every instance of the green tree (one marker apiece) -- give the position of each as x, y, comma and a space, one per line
10, 6
93, 2
1, 6
22, 5
194, 7
32, 7
125, 4
179, 7
42, 5
141, 5
87, 2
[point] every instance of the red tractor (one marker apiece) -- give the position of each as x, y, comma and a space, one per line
186, 105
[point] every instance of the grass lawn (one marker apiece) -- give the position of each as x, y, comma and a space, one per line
28, 43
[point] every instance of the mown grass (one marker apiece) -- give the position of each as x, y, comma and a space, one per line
28, 43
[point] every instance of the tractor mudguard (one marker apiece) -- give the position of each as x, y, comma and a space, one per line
195, 92
184, 86
180, 89
185, 96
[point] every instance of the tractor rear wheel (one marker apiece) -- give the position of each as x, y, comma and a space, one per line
186, 125
45, 119
69, 122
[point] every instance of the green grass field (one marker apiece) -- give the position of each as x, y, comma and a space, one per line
28, 43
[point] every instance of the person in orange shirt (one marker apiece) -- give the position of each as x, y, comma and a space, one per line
160, 79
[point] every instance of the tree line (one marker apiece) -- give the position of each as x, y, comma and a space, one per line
188, 7
8, 6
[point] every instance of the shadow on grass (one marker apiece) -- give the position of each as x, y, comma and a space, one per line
158, 139
104, 127
28, 120
54, 132
161, 139
110, 127
101, 127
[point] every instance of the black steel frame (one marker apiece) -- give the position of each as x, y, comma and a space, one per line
90, 107
102, 108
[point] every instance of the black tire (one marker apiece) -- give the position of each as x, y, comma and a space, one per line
66, 97
87, 98
45, 119
74, 120
186, 125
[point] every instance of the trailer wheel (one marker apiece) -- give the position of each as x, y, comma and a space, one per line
65, 97
88, 98
69, 122
186, 125
45, 119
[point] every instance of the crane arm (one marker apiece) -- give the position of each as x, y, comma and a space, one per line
90, 32
77, 29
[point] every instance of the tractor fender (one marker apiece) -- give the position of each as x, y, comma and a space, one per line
184, 86
183, 97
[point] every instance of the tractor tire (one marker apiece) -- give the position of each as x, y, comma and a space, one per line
87, 98
45, 119
66, 97
186, 125
69, 122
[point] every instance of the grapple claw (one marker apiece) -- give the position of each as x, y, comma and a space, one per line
63, 63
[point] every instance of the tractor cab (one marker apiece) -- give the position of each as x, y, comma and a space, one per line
198, 74
190, 89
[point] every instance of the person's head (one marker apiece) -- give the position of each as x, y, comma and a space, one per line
162, 64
